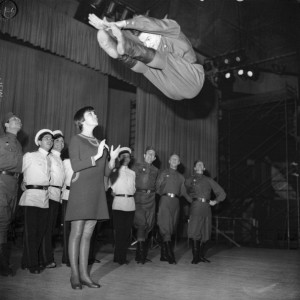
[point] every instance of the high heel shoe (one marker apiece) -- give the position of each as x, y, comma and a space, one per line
90, 284
75, 285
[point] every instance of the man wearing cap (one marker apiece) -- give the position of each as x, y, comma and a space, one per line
170, 186
144, 217
122, 183
35, 199
200, 188
10, 168
56, 183
64, 203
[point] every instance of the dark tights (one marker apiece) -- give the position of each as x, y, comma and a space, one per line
79, 246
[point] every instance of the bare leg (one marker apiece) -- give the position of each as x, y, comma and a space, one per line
107, 43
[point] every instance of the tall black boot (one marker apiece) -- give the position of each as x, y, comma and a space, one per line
138, 252
146, 249
127, 61
203, 252
5, 269
172, 259
164, 255
196, 252
138, 51
143, 252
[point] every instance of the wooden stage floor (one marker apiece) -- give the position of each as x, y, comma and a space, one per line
234, 273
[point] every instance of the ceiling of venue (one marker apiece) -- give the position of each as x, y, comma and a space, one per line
266, 30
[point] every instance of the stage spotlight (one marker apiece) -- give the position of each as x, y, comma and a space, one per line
252, 74
126, 14
111, 9
228, 75
97, 3
226, 61
240, 57
241, 72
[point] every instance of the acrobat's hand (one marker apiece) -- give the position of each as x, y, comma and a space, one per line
212, 202
96, 22
119, 24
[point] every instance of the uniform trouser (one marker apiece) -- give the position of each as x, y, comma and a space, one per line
122, 221
199, 227
144, 217
66, 232
47, 243
35, 223
8, 200
167, 218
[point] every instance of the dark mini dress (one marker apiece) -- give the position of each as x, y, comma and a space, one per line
87, 200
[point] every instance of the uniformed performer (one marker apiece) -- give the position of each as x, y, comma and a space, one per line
56, 183
122, 183
200, 188
170, 186
65, 196
10, 167
35, 199
156, 48
144, 217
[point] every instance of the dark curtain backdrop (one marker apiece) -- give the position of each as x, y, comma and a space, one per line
53, 31
118, 118
46, 90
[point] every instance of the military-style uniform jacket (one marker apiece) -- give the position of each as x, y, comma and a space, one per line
199, 187
11, 158
145, 181
11, 155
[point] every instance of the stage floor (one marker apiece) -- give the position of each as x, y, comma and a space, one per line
234, 273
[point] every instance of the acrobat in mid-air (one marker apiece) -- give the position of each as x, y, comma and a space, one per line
155, 48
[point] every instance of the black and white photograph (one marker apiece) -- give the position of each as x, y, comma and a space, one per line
149, 149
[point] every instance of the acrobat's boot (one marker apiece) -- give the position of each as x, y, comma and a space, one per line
138, 51
127, 61
172, 259
196, 252
203, 252
5, 269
